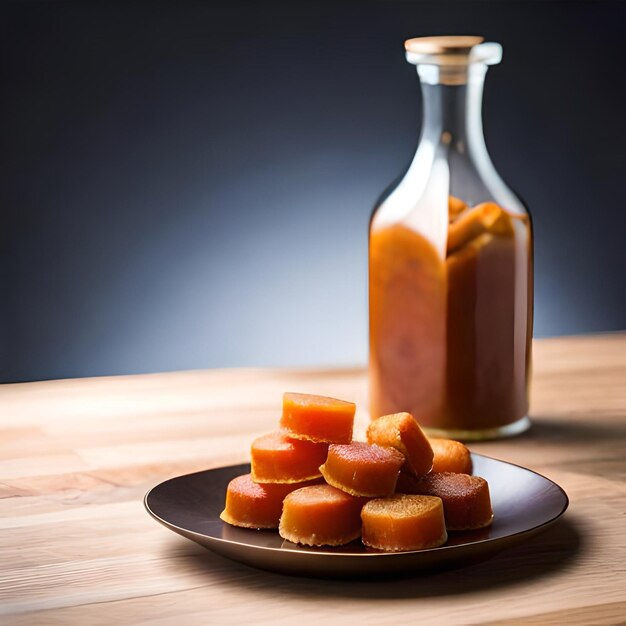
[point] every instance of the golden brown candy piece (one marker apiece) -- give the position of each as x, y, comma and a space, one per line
466, 501
450, 456
321, 516
402, 432
487, 217
361, 469
252, 505
403, 522
455, 207
276, 458
317, 418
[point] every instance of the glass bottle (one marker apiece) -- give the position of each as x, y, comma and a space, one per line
450, 265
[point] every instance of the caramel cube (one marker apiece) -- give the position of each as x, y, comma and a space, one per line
450, 456
402, 432
361, 469
276, 458
317, 418
321, 515
403, 522
252, 505
466, 501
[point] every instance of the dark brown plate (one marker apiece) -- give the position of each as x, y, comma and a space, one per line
524, 504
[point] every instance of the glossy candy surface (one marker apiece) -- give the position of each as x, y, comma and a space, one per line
451, 456
317, 418
276, 458
466, 500
254, 505
361, 469
321, 516
403, 522
402, 432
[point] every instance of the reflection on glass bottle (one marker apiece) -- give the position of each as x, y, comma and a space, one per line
451, 265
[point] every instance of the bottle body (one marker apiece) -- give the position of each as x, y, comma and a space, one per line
450, 279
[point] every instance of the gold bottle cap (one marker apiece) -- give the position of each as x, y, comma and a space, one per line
451, 54
448, 44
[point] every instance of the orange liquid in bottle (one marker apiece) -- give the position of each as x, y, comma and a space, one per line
450, 338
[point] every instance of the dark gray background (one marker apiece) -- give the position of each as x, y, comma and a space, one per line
189, 184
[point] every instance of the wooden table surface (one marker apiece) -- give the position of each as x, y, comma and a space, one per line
77, 546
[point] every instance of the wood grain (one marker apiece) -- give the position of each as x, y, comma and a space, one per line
77, 456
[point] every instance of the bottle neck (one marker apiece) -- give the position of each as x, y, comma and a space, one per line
452, 113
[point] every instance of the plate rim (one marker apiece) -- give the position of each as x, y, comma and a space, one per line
186, 532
